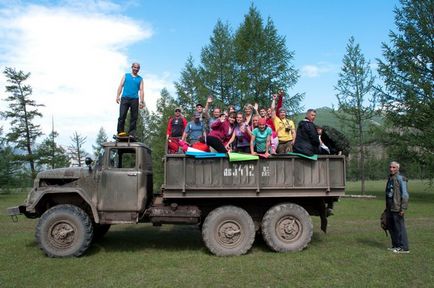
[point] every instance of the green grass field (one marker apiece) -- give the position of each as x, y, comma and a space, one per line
352, 254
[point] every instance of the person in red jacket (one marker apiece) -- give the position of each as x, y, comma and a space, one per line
176, 125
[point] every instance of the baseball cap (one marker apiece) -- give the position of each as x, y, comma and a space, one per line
199, 105
282, 110
262, 121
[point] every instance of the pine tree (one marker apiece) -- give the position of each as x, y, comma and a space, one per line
408, 74
264, 62
219, 70
50, 154
190, 88
101, 138
22, 113
75, 149
357, 99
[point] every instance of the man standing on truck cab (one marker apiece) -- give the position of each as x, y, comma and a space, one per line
130, 88
396, 205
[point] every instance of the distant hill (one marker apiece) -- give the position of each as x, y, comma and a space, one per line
325, 117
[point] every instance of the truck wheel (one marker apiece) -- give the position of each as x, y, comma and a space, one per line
99, 230
228, 231
287, 227
64, 231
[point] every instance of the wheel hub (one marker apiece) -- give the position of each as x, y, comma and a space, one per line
62, 234
288, 228
229, 233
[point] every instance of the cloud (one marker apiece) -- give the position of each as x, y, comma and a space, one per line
76, 60
315, 70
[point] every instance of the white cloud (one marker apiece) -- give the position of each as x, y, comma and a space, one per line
315, 70
76, 59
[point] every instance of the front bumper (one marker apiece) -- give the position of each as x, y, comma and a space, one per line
16, 210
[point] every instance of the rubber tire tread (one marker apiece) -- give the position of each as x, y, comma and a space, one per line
76, 214
269, 232
223, 213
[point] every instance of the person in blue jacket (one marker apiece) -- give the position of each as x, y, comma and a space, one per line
130, 88
396, 205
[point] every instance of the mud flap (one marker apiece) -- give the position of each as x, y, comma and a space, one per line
323, 216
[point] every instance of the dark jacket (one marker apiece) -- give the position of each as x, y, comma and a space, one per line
400, 194
307, 140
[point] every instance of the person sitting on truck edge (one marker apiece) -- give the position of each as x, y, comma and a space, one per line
285, 130
307, 140
231, 118
261, 139
176, 125
240, 140
131, 88
194, 129
216, 136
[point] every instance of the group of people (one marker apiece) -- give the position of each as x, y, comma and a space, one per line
263, 131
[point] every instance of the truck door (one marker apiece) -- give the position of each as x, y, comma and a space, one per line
118, 186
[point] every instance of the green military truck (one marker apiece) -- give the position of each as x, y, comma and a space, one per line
229, 201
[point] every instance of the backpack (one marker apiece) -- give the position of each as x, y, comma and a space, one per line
383, 221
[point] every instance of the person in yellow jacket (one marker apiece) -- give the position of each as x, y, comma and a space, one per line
285, 130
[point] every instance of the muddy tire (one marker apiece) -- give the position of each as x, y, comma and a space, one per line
228, 231
99, 230
64, 231
287, 227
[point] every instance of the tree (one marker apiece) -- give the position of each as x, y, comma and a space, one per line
101, 138
219, 70
264, 62
50, 154
9, 167
357, 99
190, 88
408, 75
75, 149
22, 112
157, 134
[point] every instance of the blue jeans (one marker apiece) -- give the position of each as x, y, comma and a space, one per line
131, 104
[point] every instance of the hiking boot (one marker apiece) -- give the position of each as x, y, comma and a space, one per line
401, 251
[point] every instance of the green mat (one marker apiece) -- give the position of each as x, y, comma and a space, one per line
313, 157
233, 157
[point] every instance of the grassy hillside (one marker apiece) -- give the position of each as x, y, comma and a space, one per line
325, 117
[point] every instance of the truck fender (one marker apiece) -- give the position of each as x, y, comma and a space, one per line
64, 190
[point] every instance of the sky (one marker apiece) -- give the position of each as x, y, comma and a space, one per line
77, 51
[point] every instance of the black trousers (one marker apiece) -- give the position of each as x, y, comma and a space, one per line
132, 105
216, 144
398, 232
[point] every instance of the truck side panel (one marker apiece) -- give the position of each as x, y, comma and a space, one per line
285, 176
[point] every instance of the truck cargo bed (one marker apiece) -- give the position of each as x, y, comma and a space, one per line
278, 176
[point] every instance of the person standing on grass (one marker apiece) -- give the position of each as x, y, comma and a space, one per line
129, 91
396, 205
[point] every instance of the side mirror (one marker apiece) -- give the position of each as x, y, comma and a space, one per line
88, 161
